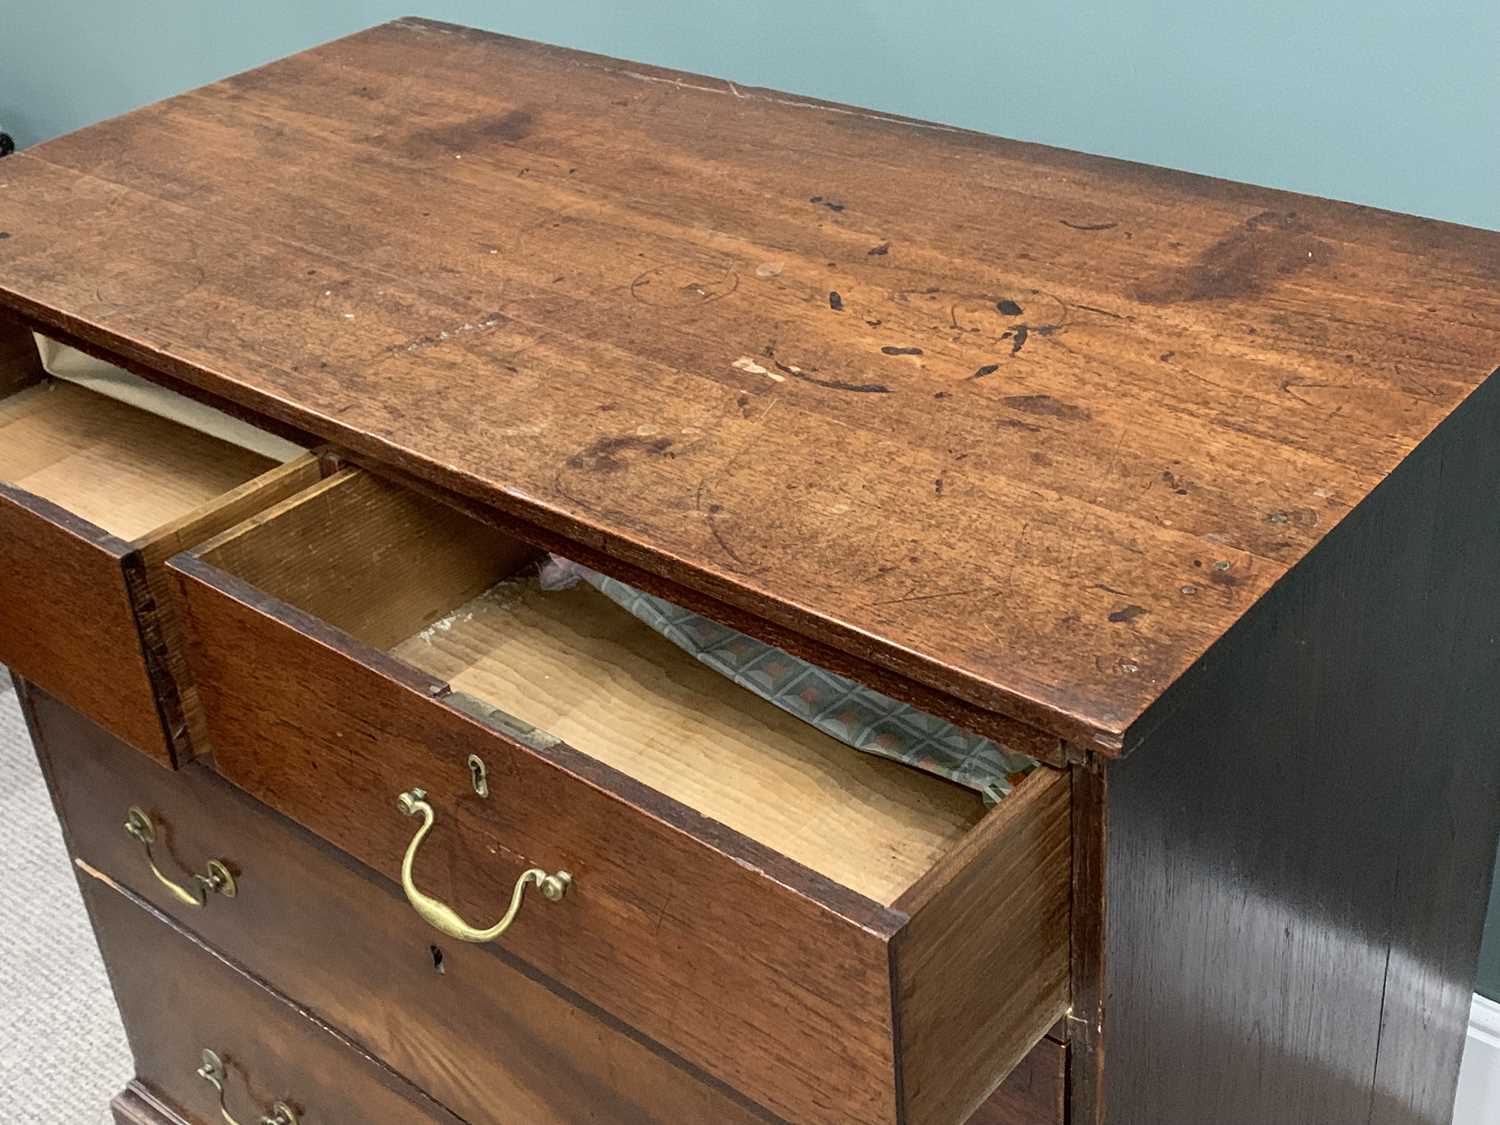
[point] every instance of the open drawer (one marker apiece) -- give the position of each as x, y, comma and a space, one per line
95, 495
839, 936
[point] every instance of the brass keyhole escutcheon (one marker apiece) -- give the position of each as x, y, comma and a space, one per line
480, 775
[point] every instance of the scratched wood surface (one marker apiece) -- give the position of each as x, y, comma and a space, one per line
1030, 426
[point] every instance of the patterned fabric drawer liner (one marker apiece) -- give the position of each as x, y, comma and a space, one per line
855, 715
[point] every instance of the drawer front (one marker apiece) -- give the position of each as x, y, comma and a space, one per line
482, 1034
816, 1001
178, 997
84, 613
68, 621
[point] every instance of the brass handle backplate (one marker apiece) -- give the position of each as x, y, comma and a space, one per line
443, 917
216, 880
214, 1072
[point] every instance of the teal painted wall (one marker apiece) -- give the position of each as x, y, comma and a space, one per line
1489, 957
1392, 104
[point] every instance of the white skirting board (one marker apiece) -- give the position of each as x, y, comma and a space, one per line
1479, 1080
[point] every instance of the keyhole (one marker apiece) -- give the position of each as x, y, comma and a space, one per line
437, 958
479, 775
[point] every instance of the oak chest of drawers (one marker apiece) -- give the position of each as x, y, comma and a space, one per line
1179, 491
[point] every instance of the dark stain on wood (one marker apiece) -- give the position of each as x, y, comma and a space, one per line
1128, 613
835, 302
986, 369
832, 205
879, 251
1023, 332
608, 455
1008, 307
832, 384
1046, 404
1221, 575
1268, 247
891, 350
1087, 226
473, 133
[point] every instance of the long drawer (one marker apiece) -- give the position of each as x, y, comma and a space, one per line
208, 1039
94, 496
841, 937
480, 1032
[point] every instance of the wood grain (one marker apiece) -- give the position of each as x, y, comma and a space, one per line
796, 1009
366, 556
272, 1049
1303, 907
1018, 736
85, 611
122, 469
583, 669
981, 970
597, 296
135, 1105
1034, 1094
481, 1032
67, 622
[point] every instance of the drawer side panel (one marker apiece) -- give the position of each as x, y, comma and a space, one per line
981, 969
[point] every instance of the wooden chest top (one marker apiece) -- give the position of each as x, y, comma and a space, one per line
1032, 427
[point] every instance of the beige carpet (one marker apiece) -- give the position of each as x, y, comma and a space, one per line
62, 1050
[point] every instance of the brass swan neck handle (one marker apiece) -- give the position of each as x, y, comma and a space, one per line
216, 1074
443, 917
216, 880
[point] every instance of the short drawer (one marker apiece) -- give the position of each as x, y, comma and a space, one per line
94, 496
839, 936
482, 1034
178, 998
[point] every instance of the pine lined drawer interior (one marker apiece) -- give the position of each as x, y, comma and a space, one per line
95, 495
839, 936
